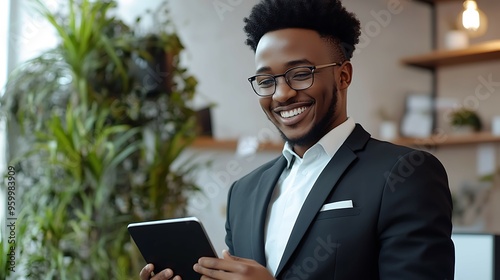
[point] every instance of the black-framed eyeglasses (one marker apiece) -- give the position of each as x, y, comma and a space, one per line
298, 78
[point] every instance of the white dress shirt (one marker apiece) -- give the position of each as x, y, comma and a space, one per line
293, 187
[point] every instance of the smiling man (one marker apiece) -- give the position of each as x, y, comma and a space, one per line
302, 105
337, 204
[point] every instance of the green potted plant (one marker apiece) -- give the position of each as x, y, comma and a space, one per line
99, 143
465, 121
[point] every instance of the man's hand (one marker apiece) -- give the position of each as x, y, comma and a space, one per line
166, 274
231, 268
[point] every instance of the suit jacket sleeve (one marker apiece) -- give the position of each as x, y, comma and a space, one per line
415, 220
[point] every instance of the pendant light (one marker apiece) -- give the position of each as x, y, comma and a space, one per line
472, 20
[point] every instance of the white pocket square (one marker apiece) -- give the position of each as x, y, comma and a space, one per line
337, 205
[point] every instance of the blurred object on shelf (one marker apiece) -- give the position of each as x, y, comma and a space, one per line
465, 121
204, 122
417, 120
456, 39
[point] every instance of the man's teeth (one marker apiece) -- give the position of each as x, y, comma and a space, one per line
292, 113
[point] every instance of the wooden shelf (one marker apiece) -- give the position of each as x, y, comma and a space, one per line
480, 52
449, 140
209, 143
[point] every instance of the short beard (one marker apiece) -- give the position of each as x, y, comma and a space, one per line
318, 131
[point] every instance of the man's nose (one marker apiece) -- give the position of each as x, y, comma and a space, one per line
283, 90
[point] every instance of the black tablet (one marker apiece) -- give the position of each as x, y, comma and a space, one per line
173, 243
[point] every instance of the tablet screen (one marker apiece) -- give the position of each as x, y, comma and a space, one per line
173, 243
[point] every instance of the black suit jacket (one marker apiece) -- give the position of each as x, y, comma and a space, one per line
399, 227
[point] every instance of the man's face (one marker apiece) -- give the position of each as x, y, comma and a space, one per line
302, 116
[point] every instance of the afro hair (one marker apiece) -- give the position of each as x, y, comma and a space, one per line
328, 17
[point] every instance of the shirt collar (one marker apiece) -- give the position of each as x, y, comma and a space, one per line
330, 142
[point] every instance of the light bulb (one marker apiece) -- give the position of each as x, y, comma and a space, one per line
472, 20
470, 16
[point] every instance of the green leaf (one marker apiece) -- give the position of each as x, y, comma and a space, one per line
123, 155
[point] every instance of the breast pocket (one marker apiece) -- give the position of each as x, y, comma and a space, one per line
337, 213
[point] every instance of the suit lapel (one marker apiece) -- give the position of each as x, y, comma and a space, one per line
264, 193
322, 188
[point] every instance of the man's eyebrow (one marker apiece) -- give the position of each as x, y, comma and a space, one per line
289, 64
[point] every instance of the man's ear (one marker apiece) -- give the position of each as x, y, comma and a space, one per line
345, 75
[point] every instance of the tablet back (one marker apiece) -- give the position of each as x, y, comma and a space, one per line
173, 243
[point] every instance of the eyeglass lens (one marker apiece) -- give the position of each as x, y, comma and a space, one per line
297, 78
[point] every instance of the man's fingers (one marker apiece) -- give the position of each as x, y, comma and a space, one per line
204, 277
145, 273
208, 273
165, 275
229, 264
